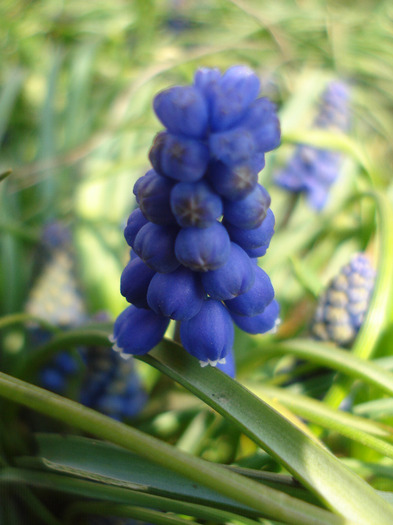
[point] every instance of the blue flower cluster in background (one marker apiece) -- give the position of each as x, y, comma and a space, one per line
342, 307
203, 220
313, 170
109, 384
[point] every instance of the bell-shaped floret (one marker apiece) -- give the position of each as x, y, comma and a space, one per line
138, 330
262, 121
232, 95
235, 277
229, 367
155, 153
209, 335
254, 238
178, 295
207, 80
134, 223
256, 299
267, 321
232, 183
155, 245
250, 211
203, 249
135, 281
182, 110
181, 158
152, 193
235, 147
195, 204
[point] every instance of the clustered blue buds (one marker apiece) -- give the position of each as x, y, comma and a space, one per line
342, 307
202, 221
110, 384
314, 170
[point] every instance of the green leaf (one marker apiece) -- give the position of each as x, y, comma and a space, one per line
362, 430
5, 174
103, 462
261, 498
304, 457
328, 355
99, 491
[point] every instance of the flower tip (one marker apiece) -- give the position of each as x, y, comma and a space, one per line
111, 338
115, 347
125, 356
214, 363
274, 329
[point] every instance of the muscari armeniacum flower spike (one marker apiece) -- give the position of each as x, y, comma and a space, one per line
313, 170
206, 165
342, 307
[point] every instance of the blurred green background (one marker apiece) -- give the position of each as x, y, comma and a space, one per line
76, 122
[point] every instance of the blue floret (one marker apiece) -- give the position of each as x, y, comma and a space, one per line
195, 204
138, 330
208, 336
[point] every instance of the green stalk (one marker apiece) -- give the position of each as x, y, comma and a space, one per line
264, 499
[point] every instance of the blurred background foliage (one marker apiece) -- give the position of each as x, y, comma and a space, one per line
77, 81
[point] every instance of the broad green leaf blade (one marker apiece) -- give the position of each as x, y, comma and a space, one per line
328, 355
98, 491
261, 498
99, 461
362, 430
304, 457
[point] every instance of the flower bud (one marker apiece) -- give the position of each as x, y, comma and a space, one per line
195, 204
232, 183
183, 159
182, 110
203, 249
262, 119
256, 299
135, 281
250, 211
256, 237
236, 90
152, 193
155, 245
234, 278
134, 223
178, 295
138, 330
259, 324
209, 335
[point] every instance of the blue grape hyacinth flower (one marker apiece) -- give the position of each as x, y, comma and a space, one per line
310, 170
202, 220
110, 384
342, 307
